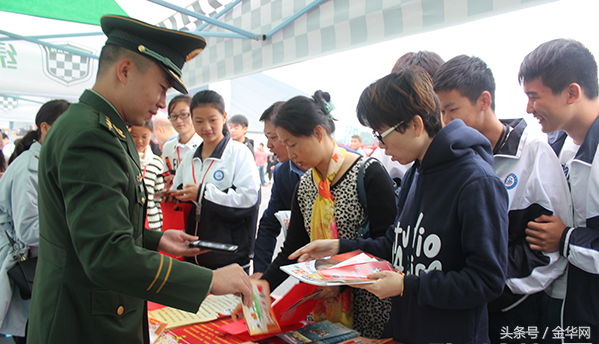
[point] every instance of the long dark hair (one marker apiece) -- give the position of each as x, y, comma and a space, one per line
209, 98
48, 113
300, 115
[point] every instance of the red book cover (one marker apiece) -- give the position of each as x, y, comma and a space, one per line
354, 272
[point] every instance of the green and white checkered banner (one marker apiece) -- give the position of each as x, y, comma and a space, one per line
334, 26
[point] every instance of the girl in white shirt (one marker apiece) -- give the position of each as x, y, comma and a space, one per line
221, 179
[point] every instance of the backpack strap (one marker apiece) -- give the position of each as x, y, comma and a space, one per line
361, 189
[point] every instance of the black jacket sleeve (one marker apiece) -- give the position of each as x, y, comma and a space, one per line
297, 236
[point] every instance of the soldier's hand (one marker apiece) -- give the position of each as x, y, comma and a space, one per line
231, 279
176, 242
256, 275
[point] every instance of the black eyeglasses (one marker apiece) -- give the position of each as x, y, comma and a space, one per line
182, 115
387, 132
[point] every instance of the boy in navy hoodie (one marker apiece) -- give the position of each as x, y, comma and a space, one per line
535, 183
560, 79
450, 238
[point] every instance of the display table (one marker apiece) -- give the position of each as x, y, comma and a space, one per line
208, 332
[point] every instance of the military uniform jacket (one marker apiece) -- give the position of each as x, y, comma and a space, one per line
96, 263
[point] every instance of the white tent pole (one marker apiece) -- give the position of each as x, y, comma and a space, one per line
50, 45
219, 14
209, 20
66, 35
17, 97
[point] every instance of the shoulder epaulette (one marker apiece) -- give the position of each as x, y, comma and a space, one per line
111, 127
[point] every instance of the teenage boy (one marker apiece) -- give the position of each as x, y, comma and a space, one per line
238, 126
533, 179
560, 79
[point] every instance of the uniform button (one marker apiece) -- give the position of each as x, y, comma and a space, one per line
120, 310
143, 200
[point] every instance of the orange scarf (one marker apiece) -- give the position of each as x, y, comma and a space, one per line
324, 226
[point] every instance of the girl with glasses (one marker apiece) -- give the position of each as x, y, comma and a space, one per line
187, 139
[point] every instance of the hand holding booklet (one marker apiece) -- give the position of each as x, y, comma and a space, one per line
342, 269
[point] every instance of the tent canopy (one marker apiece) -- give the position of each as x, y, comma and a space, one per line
59, 57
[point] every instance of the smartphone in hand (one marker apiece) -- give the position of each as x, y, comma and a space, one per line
214, 246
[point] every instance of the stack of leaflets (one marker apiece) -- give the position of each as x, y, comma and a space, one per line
343, 269
324, 332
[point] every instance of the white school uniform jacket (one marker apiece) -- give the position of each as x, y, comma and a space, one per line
18, 215
580, 243
173, 151
536, 185
229, 197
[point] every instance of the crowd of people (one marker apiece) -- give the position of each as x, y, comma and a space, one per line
493, 234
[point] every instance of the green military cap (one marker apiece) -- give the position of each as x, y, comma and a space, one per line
169, 48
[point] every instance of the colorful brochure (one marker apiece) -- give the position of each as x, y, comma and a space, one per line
260, 318
342, 269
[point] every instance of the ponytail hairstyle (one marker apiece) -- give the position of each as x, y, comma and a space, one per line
212, 99
48, 113
301, 115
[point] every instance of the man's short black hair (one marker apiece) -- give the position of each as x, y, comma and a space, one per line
271, 111
4, 136
468, 75
111, 53
239, 119
559, 63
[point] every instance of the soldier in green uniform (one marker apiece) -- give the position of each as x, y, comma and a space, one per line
97, 264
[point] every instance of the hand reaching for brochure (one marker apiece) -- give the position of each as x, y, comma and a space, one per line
544, 233
188, 193
232, 279
176, 242
388, 284
316, 249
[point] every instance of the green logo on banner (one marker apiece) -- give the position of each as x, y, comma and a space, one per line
7, 56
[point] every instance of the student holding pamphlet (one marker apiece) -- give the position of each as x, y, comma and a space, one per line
455, 262
326, 205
